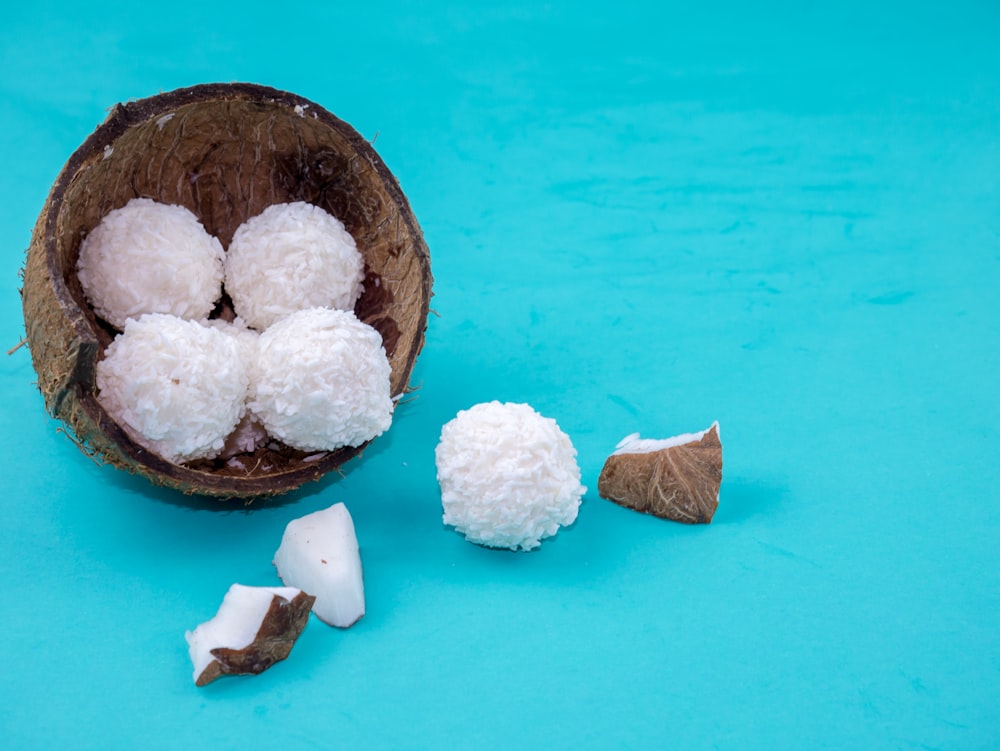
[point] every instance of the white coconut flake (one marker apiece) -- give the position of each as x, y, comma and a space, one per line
177, 387
246, 437
508, 476
321, 381
633, 444
161, 121
291, 257
149, 257
108, 151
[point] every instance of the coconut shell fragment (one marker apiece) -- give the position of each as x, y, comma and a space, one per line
279, 628
675, 478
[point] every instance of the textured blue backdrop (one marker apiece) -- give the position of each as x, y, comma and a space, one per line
783, 216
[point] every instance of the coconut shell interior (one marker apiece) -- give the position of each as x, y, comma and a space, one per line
226, 152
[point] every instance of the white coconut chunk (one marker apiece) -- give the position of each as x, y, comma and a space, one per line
290, 257
150, 257
508, 476
633, 444
319, 553
236, 624
177, 387
321, 381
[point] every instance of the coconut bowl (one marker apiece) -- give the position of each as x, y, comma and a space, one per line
226, 152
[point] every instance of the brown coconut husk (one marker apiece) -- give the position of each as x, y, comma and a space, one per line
226, 152
680, 483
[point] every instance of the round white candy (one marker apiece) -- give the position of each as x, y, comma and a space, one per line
321, 381
149, 257
177, 387
290, 257
508, 476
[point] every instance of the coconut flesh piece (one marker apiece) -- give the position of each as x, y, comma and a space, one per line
177, 387
321, 381
150, 257
290, 257
508, 476
319, 553
254, 628
674, 478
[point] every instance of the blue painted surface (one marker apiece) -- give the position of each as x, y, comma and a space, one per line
781, 216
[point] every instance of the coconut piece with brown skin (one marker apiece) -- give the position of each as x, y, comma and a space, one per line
254, 628
225, 152
674, 478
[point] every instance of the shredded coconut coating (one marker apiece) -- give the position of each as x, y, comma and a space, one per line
245, 337
290, 257
321, 381
508, 476
149, 257
249, 434
177, 387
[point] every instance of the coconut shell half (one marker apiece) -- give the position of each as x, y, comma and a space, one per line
679, 482
226, 152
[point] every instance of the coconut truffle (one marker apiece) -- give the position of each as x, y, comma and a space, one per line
150, 257
321, 381
290, 257
177, 387
508, 476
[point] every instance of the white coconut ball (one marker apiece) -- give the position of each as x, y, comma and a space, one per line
149, 257
508, 476
321, 381
177, 387
290, 257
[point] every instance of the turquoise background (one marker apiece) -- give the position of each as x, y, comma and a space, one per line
642, 217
